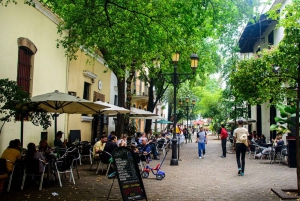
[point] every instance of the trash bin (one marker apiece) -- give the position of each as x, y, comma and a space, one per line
291, 148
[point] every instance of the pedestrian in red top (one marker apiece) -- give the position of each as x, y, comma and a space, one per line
224, 134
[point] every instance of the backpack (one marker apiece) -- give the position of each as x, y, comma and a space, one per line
244, 139
224, 133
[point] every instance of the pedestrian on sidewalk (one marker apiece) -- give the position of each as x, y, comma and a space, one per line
186, 134
224, 134
201, 139
190, 131
240, 146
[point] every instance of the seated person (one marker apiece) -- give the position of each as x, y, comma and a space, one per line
44, 148
123, 141
146, 148
99, 146
111, 144
12, 153
33, 154
113, 133
278, 142
58, 142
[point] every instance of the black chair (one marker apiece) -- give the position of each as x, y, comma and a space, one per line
65, 165
283, 153
161, 146
32, 169
86, 152
276, 153
252, 150
76, 160
105, 159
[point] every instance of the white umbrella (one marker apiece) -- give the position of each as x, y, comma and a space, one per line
57, 102
150, 117
141, 113
113, 109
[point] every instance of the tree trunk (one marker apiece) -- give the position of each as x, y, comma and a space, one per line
128, 88
121, 103
297, 130
150, 106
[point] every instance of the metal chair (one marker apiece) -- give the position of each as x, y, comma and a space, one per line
32, 169
161, 146
86, 152
275, 153
76, 160
104, 160
3, 170
65, 165
283, 153
252, 151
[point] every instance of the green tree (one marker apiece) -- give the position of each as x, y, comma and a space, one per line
15, 103
274, 74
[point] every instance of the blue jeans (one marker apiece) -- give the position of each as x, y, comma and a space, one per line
201, 146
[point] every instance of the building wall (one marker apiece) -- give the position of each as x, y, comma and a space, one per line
113, 93
76, 84
50, 64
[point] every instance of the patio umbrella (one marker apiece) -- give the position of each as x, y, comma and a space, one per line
198, 122
245, 121
58, 102
163, 121
141, 113
113, 109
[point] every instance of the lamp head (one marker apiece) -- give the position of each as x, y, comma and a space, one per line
175, 57
194, 61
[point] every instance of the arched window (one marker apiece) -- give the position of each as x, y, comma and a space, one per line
25, 64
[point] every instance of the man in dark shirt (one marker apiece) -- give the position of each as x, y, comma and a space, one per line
111, 144
58, 142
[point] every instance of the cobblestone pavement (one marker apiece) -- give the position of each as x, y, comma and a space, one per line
212, 179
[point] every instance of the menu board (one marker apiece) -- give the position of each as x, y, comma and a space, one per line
128, 174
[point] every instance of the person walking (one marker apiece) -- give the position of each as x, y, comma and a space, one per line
201, 139
241, 143
223, 134
190, 131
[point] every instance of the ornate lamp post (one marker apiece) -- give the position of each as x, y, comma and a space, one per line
187, 108
176, 80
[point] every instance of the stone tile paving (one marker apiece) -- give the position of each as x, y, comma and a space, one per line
211, 179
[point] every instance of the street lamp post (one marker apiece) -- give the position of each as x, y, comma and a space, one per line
187, 107
176, 81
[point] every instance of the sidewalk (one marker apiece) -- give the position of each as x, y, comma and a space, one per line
211, 178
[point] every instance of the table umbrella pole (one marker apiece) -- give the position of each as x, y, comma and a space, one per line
55, 125
22, 128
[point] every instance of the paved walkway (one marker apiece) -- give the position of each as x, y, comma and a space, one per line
211, 178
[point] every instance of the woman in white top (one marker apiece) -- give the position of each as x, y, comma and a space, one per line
122, 142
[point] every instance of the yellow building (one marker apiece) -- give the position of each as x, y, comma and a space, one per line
28, 41
87, 80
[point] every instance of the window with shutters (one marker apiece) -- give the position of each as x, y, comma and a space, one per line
24, 69
26, 52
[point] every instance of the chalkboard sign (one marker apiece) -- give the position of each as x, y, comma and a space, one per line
128, 174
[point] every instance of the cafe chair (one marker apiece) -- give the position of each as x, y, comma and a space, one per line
104, 160
161, 146
283, 153
63, 166
253, 150
3, 170
275, 153
31, 169
86, 152
144, 158
76, 160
